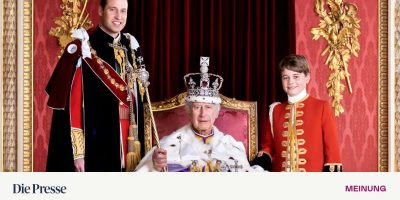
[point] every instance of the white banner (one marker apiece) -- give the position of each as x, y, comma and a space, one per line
202, 186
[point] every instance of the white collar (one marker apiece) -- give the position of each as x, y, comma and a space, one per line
117, 39
298, 97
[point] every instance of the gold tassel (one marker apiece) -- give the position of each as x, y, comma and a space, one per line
133, 157
137, 148
131, 162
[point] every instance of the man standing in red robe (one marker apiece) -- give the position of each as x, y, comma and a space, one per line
95, 97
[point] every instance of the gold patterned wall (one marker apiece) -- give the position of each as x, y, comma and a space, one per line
16, 140
396, 44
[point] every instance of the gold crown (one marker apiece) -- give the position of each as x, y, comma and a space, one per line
198, 84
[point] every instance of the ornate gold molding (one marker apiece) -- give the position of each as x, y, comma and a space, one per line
397, 84
168, 104
27, 107
383, 86
339, 26
10, 86
1, 88
10, 82
71, 19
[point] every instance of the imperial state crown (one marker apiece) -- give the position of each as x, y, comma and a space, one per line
203, 86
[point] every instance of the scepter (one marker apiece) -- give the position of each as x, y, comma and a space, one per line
143, 77
144, 80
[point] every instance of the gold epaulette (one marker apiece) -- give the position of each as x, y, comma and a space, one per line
78, 143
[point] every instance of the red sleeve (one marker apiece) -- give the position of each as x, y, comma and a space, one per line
267, 141
76, 100
331, 136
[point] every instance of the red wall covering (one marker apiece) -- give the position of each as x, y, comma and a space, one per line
358, 125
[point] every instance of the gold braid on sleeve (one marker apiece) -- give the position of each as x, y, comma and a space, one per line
78, 143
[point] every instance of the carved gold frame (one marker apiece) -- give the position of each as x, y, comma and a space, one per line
179, 100
1, 87
394, 86
17, 86
397, 64
383, 86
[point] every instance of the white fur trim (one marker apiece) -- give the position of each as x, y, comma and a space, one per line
203, 99
79, 63
134, 44
271, 112
146, 164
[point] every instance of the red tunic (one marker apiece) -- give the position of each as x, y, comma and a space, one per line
303, 136
76, 104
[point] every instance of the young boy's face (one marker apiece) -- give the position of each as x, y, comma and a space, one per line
294, 82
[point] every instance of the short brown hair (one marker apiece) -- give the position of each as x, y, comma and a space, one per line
297, 63
103, 3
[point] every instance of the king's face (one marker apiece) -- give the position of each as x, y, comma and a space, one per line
202, 117
294, 82
113, 16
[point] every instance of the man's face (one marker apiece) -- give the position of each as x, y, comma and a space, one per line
202, 116
294, 82
113, 16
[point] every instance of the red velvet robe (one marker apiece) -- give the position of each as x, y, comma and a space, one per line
310, 145
85, 98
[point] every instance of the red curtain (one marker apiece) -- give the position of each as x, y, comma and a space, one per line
244, 38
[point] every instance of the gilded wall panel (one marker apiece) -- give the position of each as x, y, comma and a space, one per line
396, 56
16, 83
9, 92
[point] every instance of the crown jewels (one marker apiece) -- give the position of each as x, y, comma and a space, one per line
198, 84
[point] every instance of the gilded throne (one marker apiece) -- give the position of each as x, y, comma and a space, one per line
238, 118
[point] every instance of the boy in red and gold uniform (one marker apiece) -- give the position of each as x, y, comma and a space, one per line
301, 133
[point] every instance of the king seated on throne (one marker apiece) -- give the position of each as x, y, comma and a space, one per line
199, 146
